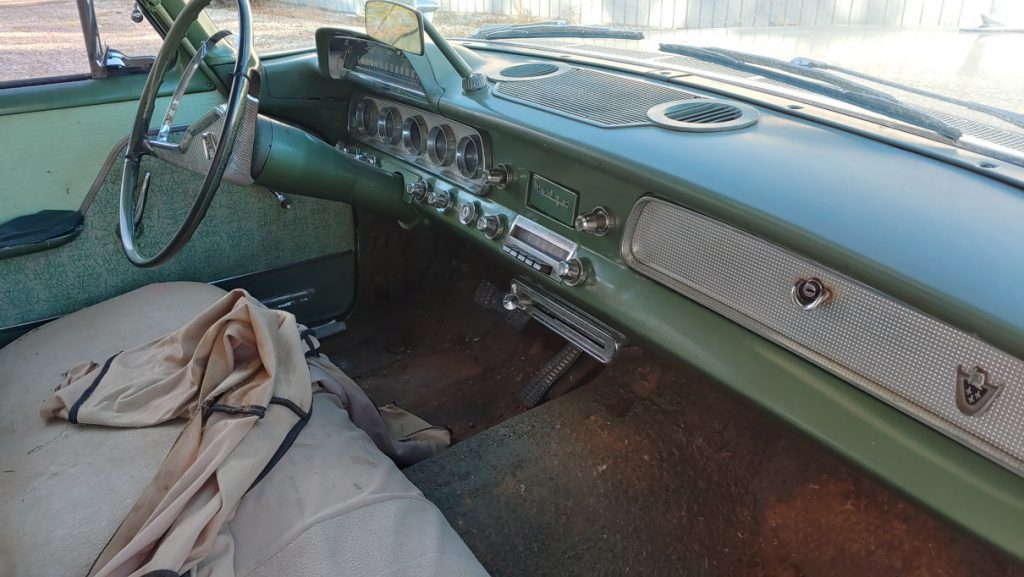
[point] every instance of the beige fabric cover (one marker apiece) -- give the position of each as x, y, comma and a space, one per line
188, 512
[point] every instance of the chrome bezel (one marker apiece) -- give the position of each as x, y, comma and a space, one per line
421, 125
448, 134
570, 247
395, 116
360, 122
471, 172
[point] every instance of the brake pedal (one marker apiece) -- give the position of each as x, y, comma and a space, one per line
552, 371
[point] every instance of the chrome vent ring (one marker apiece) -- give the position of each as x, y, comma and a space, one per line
704, 115
528, 71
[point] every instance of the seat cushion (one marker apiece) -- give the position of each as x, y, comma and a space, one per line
334, 505
72, 485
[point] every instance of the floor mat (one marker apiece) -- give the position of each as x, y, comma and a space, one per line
653, 470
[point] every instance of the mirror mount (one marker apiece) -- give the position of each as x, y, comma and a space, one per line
402, 28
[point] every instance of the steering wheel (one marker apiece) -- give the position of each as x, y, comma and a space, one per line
207, 145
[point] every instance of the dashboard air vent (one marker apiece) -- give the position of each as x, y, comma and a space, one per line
703, 115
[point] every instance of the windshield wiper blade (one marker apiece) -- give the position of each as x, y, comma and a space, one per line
554, 29
819, 82
1014, 118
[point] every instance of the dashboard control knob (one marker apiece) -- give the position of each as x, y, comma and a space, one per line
596, 222
419, 190
499, 176
468, 213
514, 302
572, 272
440, 199
491, 225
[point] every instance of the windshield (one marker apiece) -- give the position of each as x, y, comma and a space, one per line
968, 50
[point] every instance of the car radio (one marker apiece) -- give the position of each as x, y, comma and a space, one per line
539, 248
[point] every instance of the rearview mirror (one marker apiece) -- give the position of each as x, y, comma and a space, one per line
396, 25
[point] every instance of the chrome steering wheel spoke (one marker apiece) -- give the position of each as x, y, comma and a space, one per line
217, 142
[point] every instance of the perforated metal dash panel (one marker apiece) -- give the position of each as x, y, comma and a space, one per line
594, 97
902, 356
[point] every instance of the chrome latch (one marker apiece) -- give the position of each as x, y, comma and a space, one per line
810, 293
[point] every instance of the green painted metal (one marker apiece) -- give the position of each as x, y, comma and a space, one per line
51, 157
295, 162
89, 92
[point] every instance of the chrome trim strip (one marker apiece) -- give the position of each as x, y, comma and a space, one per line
579, 328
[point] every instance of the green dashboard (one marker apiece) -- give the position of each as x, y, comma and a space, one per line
689, 242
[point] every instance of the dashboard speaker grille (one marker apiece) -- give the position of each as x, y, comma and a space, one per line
902, 356
595, 97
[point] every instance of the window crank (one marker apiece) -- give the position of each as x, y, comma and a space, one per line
283, 201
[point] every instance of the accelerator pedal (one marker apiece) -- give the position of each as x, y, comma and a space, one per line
539, 386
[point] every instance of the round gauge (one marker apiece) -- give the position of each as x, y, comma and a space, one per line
366, 117
469, 156
414, 134
389, 125
441, 145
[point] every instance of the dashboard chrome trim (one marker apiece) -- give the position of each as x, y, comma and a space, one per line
426, 157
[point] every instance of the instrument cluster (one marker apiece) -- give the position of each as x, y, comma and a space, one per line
445, 148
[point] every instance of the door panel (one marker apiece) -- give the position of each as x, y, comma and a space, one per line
245, 231
50, 157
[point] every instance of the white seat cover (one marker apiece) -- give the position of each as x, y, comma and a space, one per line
334, 505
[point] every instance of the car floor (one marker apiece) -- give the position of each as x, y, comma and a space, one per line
643, 468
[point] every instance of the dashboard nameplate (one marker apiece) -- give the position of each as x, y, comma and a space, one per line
552, 199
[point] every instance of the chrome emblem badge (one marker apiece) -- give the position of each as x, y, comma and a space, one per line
974, 391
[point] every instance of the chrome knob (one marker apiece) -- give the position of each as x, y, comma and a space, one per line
491, 225
440, 199
572, 272
596, 222
514, 302
499, 177
468, 213
419, 189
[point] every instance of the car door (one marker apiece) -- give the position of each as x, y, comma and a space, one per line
64, 116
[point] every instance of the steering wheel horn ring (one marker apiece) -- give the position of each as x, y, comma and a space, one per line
218, 154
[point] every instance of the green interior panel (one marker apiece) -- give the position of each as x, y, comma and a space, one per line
51, 157
245, 231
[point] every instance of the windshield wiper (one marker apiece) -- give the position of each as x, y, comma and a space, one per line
554, 29
819, 82
1014, 118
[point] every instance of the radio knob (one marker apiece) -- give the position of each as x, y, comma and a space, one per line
468, 213
499, 177
440, 199
596, 222
418, 190
492, 225
572, 272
